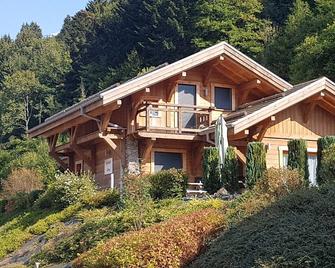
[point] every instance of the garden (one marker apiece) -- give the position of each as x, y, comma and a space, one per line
275, 220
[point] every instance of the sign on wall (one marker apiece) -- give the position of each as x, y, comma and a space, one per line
108, 166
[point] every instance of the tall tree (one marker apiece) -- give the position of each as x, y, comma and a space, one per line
235, 21
280, 51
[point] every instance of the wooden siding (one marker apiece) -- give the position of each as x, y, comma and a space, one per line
290, 125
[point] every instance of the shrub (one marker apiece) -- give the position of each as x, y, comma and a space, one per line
327, 171
323, 144
256, 163
104, 198
170, 244
3, 204
211, 170
230, 171
21, 181
168, 184
25, 200
297, 158
67, 189
277, 183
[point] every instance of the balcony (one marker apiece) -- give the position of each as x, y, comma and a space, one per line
173, 118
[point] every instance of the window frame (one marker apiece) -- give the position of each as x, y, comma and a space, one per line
233, 92
81, 163
164, 150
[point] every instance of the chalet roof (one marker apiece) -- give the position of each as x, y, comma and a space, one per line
256, 111
119, 91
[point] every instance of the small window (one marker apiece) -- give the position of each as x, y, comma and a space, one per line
223, 98
167, 160
78, 166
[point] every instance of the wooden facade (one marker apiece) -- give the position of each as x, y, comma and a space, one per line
126, 127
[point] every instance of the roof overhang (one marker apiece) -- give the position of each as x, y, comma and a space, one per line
282, 104
115, 93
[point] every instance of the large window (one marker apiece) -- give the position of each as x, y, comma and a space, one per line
167, 160
223, 98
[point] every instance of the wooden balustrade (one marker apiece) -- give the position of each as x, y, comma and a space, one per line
173, 118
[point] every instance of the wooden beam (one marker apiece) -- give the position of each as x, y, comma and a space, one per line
246, 88
148, 144
56, 156
105, 121
170, 89
111, 144
210, 68
240, 156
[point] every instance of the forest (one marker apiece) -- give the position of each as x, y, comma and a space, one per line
111, 41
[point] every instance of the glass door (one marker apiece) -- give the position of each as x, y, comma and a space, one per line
187, 96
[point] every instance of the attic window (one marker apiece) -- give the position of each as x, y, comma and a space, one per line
223, 98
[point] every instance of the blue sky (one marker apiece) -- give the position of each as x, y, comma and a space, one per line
49, 14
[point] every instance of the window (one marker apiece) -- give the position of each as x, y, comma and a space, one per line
166, 160
78, 166
312, 163
223, 98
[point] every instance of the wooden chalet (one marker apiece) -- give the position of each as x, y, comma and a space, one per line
166, 117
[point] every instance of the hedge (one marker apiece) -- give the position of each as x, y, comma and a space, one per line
230, 170
297, 157
327, 171
256, 163
323, 143
170, 244
168, 184
211, 170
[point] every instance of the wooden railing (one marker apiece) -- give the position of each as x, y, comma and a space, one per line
173, 118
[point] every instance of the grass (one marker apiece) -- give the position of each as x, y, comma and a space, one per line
296, 231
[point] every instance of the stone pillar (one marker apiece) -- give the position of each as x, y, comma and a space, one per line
132, 155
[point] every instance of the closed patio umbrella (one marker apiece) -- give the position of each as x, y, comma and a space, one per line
221, 137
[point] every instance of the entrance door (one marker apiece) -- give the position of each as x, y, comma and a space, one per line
187, 96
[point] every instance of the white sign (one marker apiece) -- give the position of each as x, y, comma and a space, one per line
108, 166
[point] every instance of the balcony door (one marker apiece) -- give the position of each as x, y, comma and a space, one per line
187, 95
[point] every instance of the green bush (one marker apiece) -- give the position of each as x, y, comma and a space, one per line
211, 170
104, 198
67, 189
25, 200
327, 171
296, 231
298, 158
168, 184
3, 204
256, 163
323, 144
230, 171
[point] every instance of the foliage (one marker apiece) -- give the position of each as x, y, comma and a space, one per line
181, 238
67, 189
3, 204
323, 144
280, 182
230, 171
103, 198
211, 170
235, 21
297, 158
327, 170
100, 225
256, 162
29, 154
168, 184
300, 222
21, 181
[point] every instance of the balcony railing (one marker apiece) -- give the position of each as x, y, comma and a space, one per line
173, 118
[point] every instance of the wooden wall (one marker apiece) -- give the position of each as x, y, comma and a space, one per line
103, 152
289, 124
